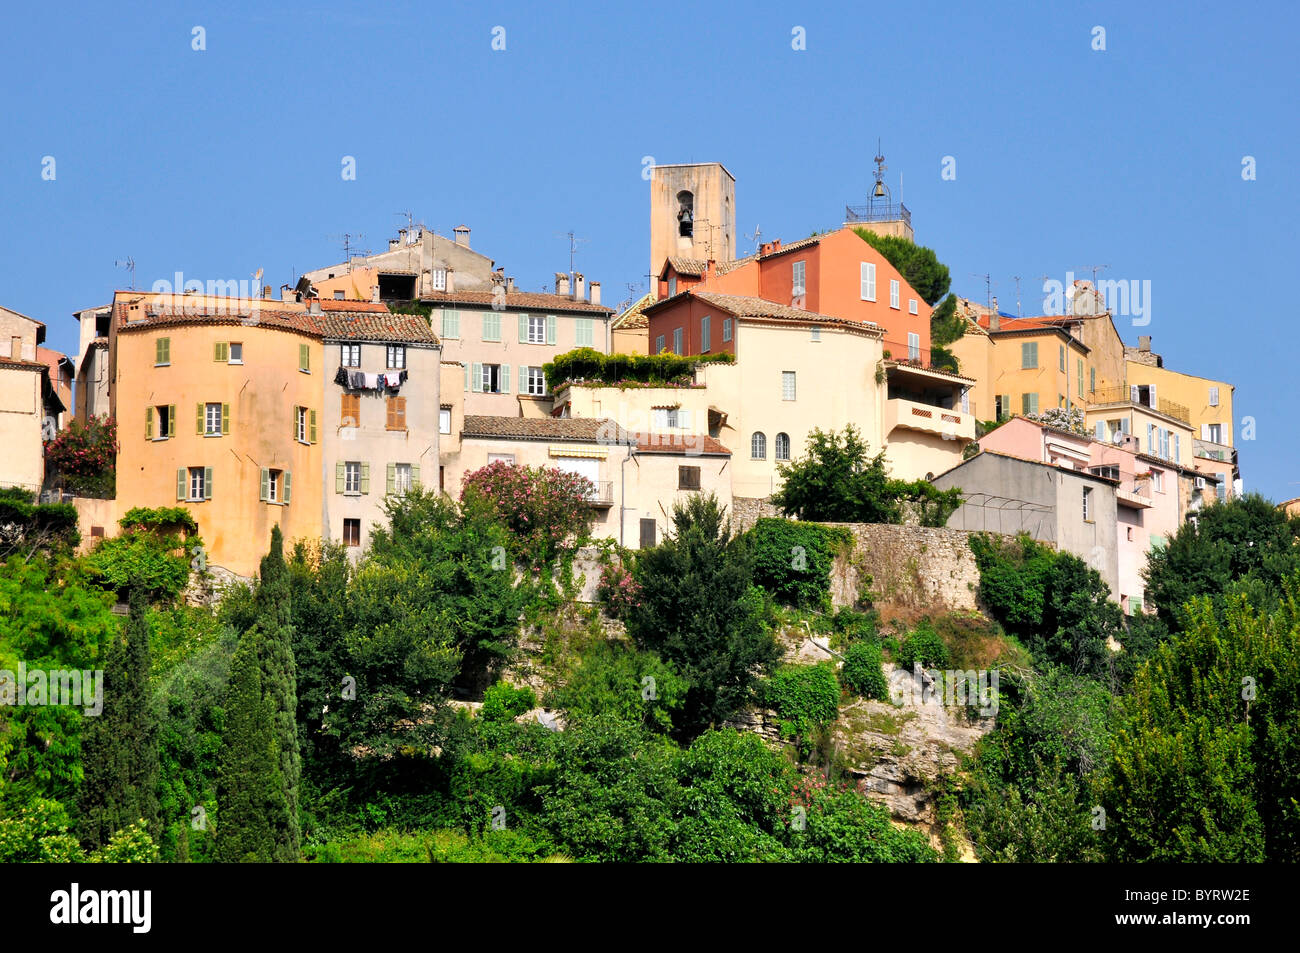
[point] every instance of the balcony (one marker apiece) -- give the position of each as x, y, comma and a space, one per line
1210, 450
602, 495
926, 418
1124, 395
877, 212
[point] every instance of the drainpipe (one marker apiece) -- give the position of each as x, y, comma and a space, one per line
622, 492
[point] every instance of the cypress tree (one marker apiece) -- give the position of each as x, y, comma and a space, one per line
250, 790
280, 686
120, 746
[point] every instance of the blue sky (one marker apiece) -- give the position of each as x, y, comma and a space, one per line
222, 161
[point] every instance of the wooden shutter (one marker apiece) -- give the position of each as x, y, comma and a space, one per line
365, 478
523, 329
182, 479
225, 419
148, 423
415, 475
304, 357
163, 351
504, 380
550, 329
171, 420
523, 378
266, 485
338, 477
312, 426
293, 422
207, 483
391, 479
476, 378
221, 352
401, 412
287, 489
198, 417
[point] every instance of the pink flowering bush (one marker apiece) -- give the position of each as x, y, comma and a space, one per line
545, 510
618, 590
85, 454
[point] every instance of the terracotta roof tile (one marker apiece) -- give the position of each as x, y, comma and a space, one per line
760, 309
353, 326
583, 429
516, 300
691, 444
634, 316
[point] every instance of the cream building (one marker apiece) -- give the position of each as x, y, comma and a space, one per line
25, 397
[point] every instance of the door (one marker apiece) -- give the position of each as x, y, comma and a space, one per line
647, 533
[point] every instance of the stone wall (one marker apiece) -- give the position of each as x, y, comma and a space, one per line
747, 510
906, 567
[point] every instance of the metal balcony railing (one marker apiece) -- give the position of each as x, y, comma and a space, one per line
877, 212
602, 493
1124, 395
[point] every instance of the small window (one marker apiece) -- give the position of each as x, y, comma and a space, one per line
1087, 494
165, 414
1092, 380
352, 478
535, 381
304, 358
799, 287
396, 419
1029, 355
491, 378
1129, 531
444, 420
1157, 481
816, 335
440, 279
704, 334
338, 296
1214, 397
758, 446
1029, 403
162, 351
688, 478
506, 458
352, 532
867, 281
787, 385
726, 329
582, 335
401, 477
450, 323
1062, 357
199, 486
1080, 376
350, 410
672, 287
911, 306
212, 420
491, 326
350, 355
782, 447
396, 356
659, 344
304, 425
236, 352
893, 292
677, 341
536, 329
913, 346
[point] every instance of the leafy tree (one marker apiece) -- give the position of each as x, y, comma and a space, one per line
793, 560
841, 826
862, 672
27, 528
919, 265
546, 510
806, 697
250, 788
700, 613
923, 647
1244, 541
503, 702
120, 750
1050, 821
614, 678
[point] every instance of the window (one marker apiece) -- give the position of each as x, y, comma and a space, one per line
534, 329
221, 352
965, 400
1129, 531
782, 447
352, 532
659, 344
396, 419
350, 355
1158, 481
236, 353
440, 279
685, 214
276, 486
534, 381
1092, 380
304, 425
893, 292
491, 326
1099, 431
338, 296
672, 287
913, 346
492, 378
704, 333
669, 418
350, 411
1087, 493
1214, 397
162, 351
450, 323
1029, 355
1221, 491
816, 335
1178, 447
1029, 403
1062, 357
444, 420
758, 446
214, 419
194, 484
166, 417
1214, 433
304, 358
726, 329
506, 458
1080, 376
688, 478
677, 341
1135, 605
583, 336
867, 281
911, 306
798, 286
395, 355
401, 477
1001, 406
355, 478
788, 385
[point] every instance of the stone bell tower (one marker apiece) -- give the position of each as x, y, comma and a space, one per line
692, 213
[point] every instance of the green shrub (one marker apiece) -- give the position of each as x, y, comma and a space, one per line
923, 646
588, 364
862, 673
805, 696
792, 560
158, 563
617, 679
503, 702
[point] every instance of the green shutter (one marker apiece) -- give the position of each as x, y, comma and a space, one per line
466, 387
266, 485
148, 423
221, 352
523, 328
198, 414
162, 351
338, 477
415, 475
171, 420
225, 419
181, 478
550, 329
392, 478
476, 378
313, 426
365, 478
288, 485
505, 378
293, 423
207, 483
304, 357
523, 378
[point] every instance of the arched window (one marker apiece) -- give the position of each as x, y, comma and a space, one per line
783, 446
758, 446
685, 214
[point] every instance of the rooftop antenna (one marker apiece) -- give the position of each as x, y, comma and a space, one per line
573, 246
1017, 281
758, 233
988, 289
348, 239
129, 264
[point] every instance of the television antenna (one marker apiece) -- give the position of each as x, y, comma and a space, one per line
349, 241
129, 264
574, 242
1016, 278
758, 233
988, 289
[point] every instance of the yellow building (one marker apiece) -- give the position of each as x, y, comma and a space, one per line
630, 331
218, 407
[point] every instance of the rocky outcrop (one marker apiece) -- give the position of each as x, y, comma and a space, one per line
209, 587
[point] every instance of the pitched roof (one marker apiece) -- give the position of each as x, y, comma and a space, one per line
368, 326
760, 309
23, 365
582, 429
517, 300
793, 246
688, 266
338, 320
689, 444
634, 316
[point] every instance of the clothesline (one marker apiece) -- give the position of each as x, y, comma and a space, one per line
360, 380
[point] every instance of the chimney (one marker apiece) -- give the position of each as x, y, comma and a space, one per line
266, 292
561, 283
595, 292
462, 235
579, 287
451, 280
995, 320
394, 243
510, 285
374, 293
710, 267
401, 238
315, 306
1144, 343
